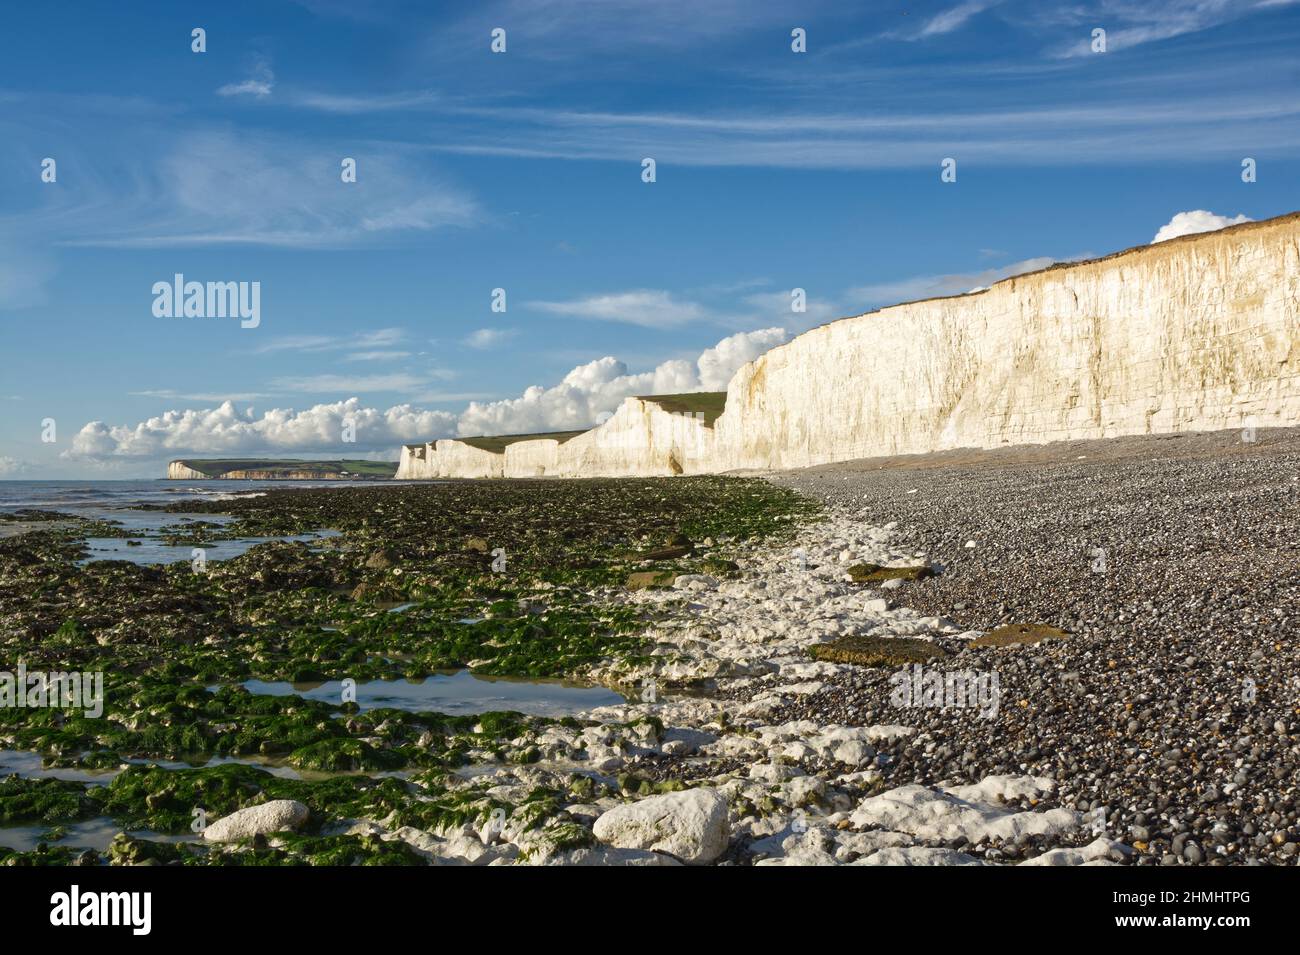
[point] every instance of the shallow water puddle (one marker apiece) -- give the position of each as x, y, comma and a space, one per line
152, 550
94, 834
458, 693
28, 764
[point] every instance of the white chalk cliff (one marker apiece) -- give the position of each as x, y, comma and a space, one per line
1199, 333
180, 471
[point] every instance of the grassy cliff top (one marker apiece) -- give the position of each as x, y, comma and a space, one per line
497, 443
214, 467
712, 403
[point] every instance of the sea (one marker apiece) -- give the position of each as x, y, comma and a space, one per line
119, 501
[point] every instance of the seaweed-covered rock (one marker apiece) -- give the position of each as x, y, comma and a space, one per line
875, 574
645, 579
1018, 634
876, 651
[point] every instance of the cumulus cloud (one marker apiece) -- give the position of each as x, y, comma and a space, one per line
718, 364
226, 430
585, 394
12, 467
1197, 220
599, 387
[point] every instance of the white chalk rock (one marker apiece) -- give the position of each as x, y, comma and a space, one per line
278, 815
691, 825
974, 812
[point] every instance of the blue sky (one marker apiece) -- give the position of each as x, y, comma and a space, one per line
522, 170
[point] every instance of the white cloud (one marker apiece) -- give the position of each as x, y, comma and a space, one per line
586, 392
487, 337
12, 467
1134, 22
650, 308
559, 30
260, 82
1156, 123
599, 387
226, 430
199, 396
380, 338
954, 18
379, 355
1197, 220
361, 103
718, 364
322, 384
221, 188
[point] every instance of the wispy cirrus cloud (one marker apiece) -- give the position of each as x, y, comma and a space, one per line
1126, 128
174, 395
1132, 23
359, 344
558, 30
361, 384
954, 18
383, 354
354, 103
649, 308
215, 187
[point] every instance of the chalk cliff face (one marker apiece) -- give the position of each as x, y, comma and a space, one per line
178, 471
640, 439
1198, 333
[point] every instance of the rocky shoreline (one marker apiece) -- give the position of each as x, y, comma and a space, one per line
809, 685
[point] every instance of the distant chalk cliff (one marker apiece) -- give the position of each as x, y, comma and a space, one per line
253, 469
